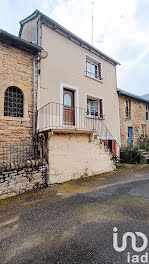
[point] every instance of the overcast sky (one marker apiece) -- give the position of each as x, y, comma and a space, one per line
121, 30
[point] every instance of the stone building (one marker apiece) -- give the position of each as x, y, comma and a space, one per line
16, 88
134, 118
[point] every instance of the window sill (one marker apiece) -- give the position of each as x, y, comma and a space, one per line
16, 119
95, 117
101, 81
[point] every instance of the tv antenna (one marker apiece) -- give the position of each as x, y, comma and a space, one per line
92, 20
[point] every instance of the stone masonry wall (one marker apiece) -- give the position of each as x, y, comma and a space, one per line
137, 119
19, 178
16, 69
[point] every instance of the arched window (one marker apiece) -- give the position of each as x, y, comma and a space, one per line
13, 102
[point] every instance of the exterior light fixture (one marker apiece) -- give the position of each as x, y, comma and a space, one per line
43, 55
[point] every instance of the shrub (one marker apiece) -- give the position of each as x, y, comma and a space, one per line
143, 142
131, 155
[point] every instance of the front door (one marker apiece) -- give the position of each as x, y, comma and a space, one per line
129, 136
69, 117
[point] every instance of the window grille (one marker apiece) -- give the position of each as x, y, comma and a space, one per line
13, 102
128, 109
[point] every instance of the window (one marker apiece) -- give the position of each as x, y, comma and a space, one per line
94, 107
128, 108
13, 102
143, 130
93, 69
67, 100
147, 112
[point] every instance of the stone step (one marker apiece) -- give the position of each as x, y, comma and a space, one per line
142, 150
145, 153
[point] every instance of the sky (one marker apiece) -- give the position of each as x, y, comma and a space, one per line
120, 29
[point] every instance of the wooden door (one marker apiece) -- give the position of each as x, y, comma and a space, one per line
68, 100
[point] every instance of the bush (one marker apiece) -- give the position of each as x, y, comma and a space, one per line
131, 155
143, 142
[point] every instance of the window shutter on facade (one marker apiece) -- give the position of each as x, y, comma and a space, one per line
101, 109
99, 70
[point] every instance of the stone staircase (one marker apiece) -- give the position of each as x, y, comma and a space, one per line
145, 154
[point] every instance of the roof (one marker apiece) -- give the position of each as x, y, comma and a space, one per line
19, 43
145, 96
133, 96
68, 34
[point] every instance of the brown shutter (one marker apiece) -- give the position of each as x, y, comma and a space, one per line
101, 110
99, 70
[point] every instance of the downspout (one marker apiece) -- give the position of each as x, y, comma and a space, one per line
37, 32
47, 175
34, 60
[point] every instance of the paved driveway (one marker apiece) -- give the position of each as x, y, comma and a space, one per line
50, 226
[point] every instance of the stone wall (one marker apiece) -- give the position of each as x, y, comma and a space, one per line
73, 156
16, 69
137, 119
16, 178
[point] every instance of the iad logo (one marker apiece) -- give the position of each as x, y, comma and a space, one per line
133, 237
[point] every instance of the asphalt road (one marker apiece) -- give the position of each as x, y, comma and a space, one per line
76, 229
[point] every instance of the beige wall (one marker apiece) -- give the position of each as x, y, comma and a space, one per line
29, 31
72, 156
16, 70
66, 63
137, 119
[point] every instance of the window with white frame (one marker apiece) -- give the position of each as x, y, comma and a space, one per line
143, 130
147, 112
128, 108
93, 69
94, 107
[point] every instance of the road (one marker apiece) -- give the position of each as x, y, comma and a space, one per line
76, 228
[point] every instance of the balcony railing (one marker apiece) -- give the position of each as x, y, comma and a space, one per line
60, 117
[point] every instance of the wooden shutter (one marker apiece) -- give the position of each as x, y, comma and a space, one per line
99, 71
101, 109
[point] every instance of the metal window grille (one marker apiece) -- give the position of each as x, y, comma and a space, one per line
13, 102
127, 109
92, 107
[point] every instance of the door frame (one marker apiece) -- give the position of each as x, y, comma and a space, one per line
76, 101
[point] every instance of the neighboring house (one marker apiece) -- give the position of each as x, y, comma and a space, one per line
78, 101
134, 117
16, 91
145, 96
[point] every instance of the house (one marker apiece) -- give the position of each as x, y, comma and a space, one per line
78, 107
145, 96
16, 92
134, 117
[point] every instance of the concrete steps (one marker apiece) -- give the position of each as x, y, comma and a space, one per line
145, 154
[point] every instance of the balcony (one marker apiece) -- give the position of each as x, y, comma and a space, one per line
56, 116
62, 119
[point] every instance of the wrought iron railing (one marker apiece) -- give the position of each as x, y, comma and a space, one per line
18, 152
57, 116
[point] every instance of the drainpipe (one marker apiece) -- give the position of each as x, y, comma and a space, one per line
47, 176
34, 60
37, 33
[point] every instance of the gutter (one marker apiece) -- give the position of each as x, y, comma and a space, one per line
63, 31
130, 95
